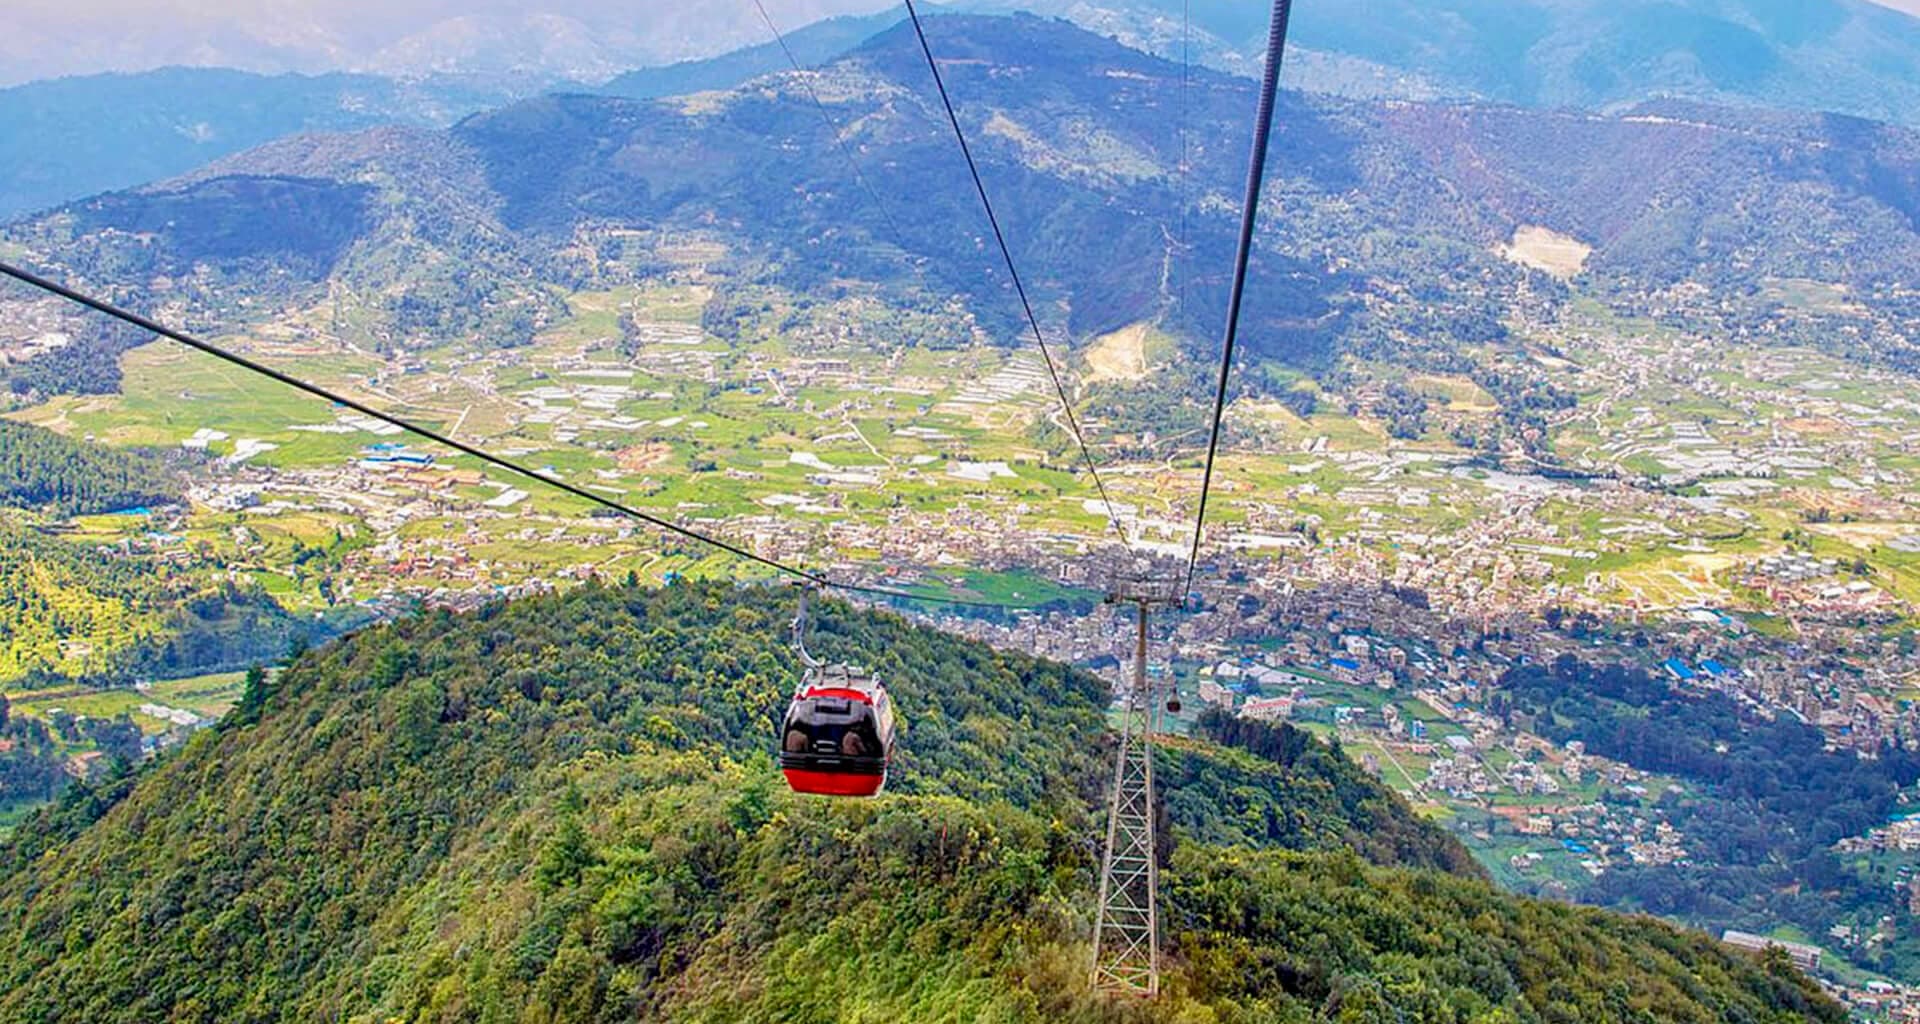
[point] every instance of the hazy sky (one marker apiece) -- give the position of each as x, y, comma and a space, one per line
54, 37
374, 22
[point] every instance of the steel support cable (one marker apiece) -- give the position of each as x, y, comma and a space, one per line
1186, 112
1256, 173
833, 129
1006, 254
99, 305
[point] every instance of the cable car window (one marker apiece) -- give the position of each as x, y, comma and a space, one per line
832, 727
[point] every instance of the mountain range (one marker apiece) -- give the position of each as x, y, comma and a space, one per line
73, 137
1554, 50
1387, 219
580, 39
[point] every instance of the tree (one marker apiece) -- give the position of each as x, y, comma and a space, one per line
566, 856
118, 738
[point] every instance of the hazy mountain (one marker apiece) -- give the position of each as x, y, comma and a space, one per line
71, 137
548, 45
573, 39
1846, 56
1849, 56
64, 138
811, 45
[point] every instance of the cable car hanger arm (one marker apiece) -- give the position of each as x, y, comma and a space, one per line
800, 622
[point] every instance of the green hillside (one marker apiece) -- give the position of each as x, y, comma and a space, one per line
561, 809
76, 612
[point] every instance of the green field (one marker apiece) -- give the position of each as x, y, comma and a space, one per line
772, 426
209, 696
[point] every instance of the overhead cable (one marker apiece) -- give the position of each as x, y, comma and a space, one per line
1006, 254
234, 358
833, 127
1256, 172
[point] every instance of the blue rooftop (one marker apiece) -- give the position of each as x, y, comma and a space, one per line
402, 458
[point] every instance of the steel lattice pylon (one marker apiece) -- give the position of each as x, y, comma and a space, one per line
1126, 936
1126, 931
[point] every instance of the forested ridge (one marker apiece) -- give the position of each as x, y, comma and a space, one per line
1272, 785
44, 470
1768, 800
563, 809
89, 364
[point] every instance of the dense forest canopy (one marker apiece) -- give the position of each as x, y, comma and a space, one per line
88, 364
1272, 785
41, 469
563, 809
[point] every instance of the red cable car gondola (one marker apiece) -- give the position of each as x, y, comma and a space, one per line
837, 738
